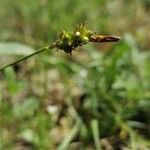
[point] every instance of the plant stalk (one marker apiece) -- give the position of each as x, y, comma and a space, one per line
28, 56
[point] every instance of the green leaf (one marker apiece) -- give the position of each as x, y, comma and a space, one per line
26, 109
14, 49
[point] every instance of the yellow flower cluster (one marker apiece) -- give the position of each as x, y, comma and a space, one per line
69, 41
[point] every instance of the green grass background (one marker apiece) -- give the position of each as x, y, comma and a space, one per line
98, 98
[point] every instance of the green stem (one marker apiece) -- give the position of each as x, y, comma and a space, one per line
28, 56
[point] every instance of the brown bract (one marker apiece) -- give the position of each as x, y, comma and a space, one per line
104, 38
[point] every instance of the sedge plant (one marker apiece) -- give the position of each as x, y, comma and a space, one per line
70, 41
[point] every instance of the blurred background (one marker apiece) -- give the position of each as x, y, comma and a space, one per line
98, 98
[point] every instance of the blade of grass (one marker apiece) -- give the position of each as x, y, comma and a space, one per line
95, 130
67, 140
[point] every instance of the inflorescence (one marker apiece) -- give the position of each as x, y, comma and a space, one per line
69, 41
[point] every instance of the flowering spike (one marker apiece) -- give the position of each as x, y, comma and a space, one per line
69, 41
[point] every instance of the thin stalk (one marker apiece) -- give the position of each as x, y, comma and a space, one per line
28, 56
